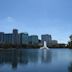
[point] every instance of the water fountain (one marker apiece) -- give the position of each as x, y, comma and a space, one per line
45, 46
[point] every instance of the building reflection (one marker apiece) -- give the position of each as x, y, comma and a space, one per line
45, 56
14, 59
24, 56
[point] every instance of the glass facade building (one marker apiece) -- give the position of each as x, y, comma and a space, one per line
7, 38
23, 38
33, 39
1, 37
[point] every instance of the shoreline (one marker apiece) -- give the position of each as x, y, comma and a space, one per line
32, 48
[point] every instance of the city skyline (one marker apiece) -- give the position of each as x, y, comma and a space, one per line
19, 39
47, 37
38, 17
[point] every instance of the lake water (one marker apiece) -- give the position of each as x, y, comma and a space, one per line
36, 60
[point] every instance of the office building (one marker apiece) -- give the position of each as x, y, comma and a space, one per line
1, 37
33, 39
47, 38
23, 38
15, 37
8, 38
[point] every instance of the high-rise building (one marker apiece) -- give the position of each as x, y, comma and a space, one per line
47, 38
1, 37
33, 39
15, 38
24, 38
8, 38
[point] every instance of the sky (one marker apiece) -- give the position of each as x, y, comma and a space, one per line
37, 17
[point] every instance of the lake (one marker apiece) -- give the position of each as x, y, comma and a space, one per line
35, 60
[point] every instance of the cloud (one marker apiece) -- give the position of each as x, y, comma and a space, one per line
10, 19
7, 19
9, 23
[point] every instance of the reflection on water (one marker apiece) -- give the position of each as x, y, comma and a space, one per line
23, 56
45, 56
35, 60
70, 68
